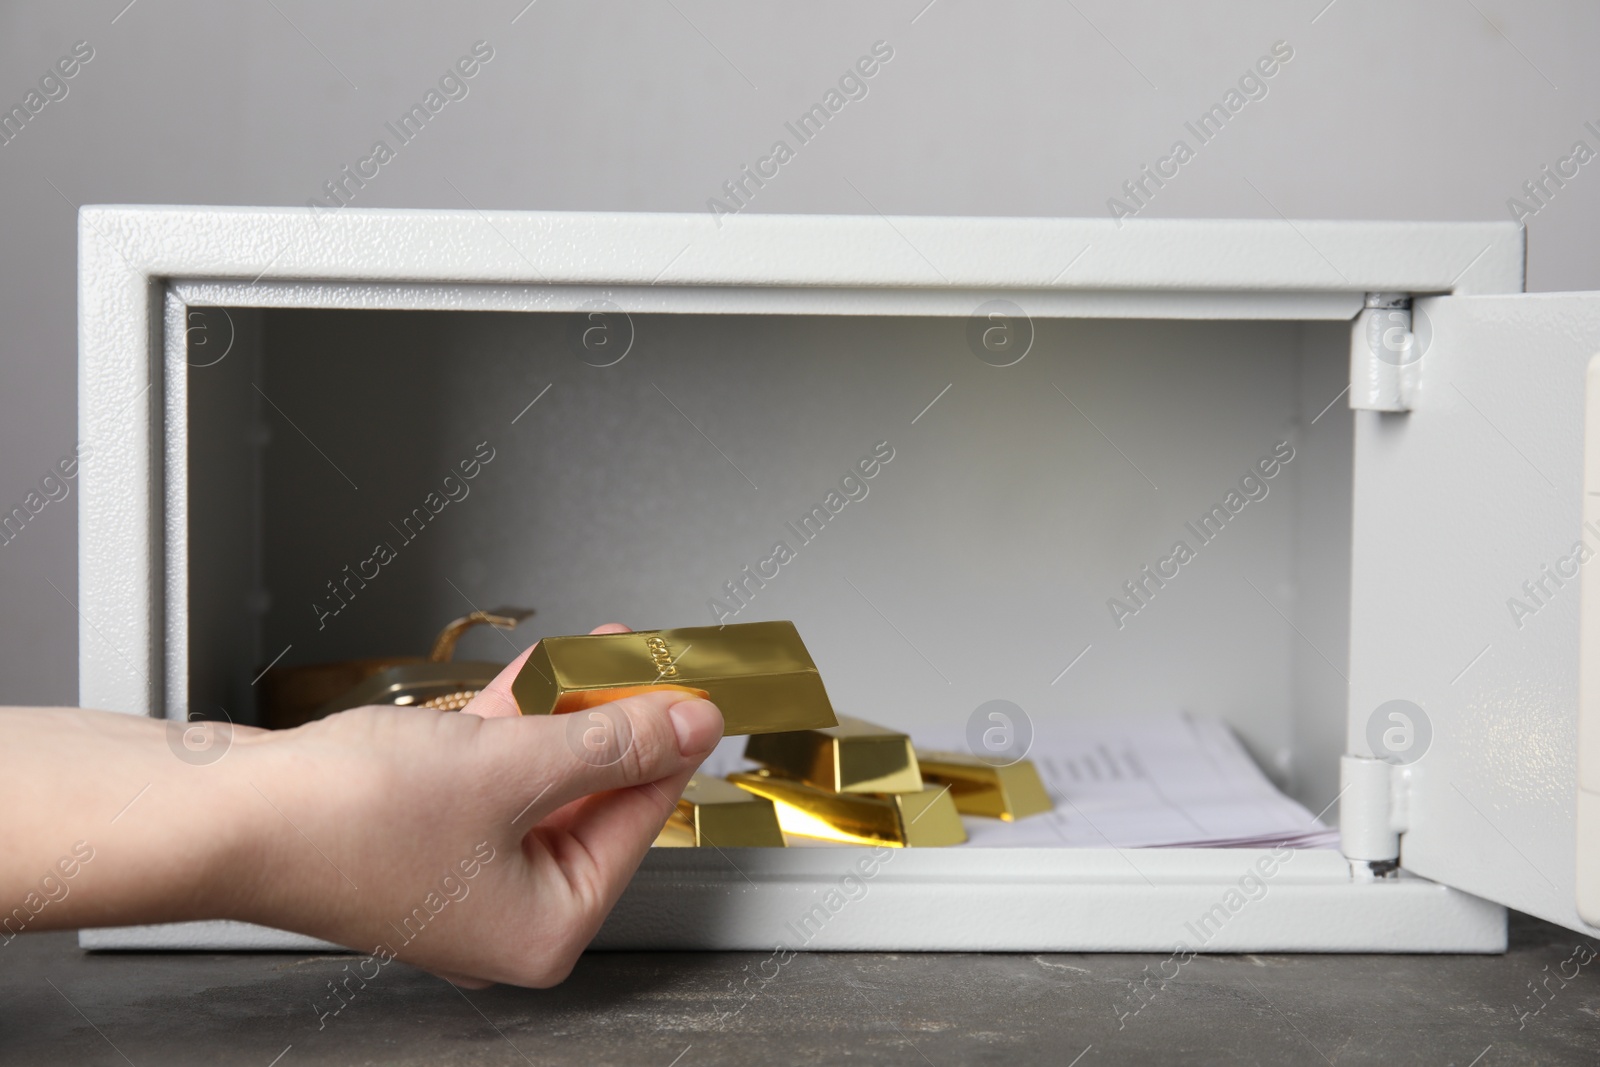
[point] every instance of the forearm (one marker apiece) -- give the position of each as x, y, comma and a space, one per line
103, 823
116, 820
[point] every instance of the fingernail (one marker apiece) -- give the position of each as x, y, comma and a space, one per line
698, 725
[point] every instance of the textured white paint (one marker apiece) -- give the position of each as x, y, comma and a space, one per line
1031, 900
779, 300
1014, 900
1588, 828
175, 510
836, 251
212, 935
1456, 505
1366, 830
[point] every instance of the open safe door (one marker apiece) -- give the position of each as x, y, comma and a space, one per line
1469, 547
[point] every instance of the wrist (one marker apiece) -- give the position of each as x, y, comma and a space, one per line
288, 849
227, 866
250, 864
186, 847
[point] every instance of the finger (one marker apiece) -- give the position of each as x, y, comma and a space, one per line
563, 817
605, 839
560, 818
628, 742
494, 701
617, 828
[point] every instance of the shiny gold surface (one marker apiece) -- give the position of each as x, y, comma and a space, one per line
716, 813
294, 695
677, 833
924, 819
453, 701
444, 646
758, 673
417, 685
852, 757
1011, 792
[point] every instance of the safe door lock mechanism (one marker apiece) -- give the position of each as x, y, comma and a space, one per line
1385, 354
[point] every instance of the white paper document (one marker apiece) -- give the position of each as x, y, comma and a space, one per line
1155, 781
1160, 780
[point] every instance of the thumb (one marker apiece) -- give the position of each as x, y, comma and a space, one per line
614, 829
634, 741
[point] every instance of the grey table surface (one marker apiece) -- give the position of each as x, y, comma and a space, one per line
59, 1005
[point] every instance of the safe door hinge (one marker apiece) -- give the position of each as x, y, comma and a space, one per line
1374, 810
1384, 354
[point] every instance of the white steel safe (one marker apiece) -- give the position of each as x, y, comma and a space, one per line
265, 387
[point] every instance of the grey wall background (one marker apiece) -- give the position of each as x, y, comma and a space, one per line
1427, 110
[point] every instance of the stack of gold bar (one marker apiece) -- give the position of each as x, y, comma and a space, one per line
820, 775
855, 783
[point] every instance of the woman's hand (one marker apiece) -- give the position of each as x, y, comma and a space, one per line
485, 846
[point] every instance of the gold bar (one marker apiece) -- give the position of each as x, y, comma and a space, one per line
1010, 792
853, 757
924, 819
758, 673
677, 833
717, 813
